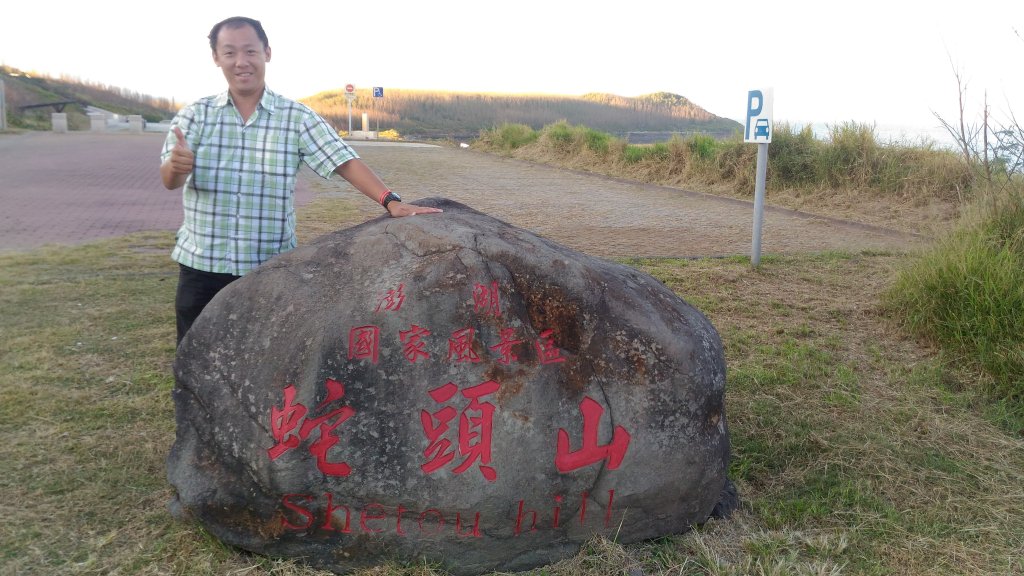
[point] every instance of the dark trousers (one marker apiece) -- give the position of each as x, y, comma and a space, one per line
195, 290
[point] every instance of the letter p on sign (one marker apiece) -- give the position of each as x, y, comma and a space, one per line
758, 127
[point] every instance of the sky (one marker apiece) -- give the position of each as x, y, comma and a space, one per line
889, 63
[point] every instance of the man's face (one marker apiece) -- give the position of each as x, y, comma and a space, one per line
242, 58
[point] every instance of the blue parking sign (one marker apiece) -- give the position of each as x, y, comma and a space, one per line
758, 127
378, 91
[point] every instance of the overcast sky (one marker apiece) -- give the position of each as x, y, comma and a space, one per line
887, 62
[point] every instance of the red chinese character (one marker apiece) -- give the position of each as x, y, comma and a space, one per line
475, 426
392, 299
460, 345
547, 351
438, 451
475, 430
414, 345
486, 300
504, 347
284, 421
364, 342
591, 452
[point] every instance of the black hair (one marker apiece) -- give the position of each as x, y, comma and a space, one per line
238, 22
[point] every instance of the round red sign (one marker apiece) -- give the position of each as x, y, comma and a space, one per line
350, 88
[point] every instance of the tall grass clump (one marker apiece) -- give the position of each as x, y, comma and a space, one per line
794, 157
637, 153
564, 139
967, 294
508, 136
703, 147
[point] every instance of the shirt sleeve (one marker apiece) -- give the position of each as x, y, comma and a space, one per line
322, 148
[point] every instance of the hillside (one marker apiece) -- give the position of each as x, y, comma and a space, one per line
446, 114
413, 113
26, 89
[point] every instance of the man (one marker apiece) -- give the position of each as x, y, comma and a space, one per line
238, 154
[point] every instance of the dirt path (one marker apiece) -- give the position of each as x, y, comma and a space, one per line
613, 218
74, 188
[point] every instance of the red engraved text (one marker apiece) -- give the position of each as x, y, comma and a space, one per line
364, 343
590, 452
460, 346
292, 424
504, 347
413, 347
475, 430
486, 299
392, 299
547, 351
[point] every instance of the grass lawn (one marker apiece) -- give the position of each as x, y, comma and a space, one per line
855, 450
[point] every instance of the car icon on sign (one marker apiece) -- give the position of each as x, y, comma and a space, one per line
761, 128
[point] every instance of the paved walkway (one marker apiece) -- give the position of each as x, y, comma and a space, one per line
77, 187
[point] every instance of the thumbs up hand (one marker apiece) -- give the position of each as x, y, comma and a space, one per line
182, 158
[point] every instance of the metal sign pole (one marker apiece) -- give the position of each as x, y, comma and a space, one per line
762, 168
758, 130
349, 117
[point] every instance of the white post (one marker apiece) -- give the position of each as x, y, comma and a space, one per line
97, 122
59, 122
762, 168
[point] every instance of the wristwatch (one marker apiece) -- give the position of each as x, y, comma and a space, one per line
390, 196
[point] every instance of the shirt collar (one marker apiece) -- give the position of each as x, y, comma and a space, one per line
267, 101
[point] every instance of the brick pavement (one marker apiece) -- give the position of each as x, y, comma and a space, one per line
76, 187
82, 186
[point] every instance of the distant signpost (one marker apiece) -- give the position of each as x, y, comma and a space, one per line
350, 95
378, 93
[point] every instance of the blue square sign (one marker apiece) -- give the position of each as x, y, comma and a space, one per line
378, 91
758, 128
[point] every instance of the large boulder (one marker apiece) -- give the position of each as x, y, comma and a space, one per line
446, 388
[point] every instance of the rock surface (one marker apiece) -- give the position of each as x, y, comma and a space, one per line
448, 388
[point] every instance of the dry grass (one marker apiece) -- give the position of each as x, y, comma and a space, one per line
911, 188
845, 430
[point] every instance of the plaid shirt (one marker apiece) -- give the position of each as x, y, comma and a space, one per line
239, 200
